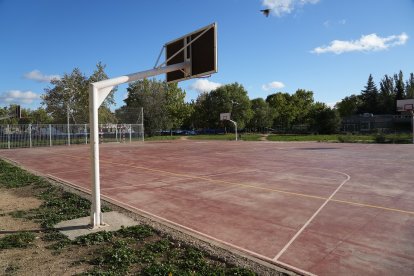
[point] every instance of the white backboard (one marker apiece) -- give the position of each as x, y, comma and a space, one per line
405, 105
225, 116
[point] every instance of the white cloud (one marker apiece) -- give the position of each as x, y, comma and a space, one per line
281, 7
18, 97
203, 85
329, 24
366, 43
38, 76
273, 85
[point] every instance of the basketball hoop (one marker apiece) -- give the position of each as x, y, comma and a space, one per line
407, 105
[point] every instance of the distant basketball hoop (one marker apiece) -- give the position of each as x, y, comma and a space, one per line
225, 116
407, 105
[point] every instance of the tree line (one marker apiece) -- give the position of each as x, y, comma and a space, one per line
165, 107
378, 101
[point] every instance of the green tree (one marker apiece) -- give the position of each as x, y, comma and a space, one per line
280, 103
301, 105
325, 120
230, 98
399, 86
7, 115
70, 93
263, 115
176, 108
369, 97
40, 116
409, 87
164, 106
386, 98
349, 105
291, 109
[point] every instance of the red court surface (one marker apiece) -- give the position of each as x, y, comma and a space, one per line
323, 208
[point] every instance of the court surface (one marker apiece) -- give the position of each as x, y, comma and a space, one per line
323, 208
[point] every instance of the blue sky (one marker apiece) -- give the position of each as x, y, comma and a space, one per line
327, 46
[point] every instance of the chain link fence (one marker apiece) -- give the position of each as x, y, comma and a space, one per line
48, 135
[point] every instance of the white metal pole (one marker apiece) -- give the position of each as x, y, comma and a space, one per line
142, 123
30, 135
68, 126
96, 216
98, 91
86, 134
412, 122
8, 136
130, 133
235, 127
50, 135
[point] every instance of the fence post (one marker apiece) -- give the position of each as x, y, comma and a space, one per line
30, 135
142, 123
85, 132
50, 135
130, 133
8, 136
116, 133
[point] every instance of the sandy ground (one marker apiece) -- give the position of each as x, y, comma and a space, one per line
35, 260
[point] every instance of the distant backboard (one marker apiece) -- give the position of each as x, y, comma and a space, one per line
405, 105
225, 116
199, 48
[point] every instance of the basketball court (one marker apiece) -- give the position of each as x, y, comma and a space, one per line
321, 208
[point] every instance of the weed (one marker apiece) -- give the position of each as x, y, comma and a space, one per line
159, 246
18, 214
54, 235
59, 245
11, 268
118, 258
138, 232
161, 269
14, 177
193, 259
17, 240
146, 256
94, 238
236, 271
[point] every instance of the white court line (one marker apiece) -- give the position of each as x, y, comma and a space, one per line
132, 208
311, 218
257, 255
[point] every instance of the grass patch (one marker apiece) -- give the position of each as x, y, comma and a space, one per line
14, 177
94, 238
288, 138
58, 205
131, 250
162, 138
117, 258
17, 240
347, 138
141, 250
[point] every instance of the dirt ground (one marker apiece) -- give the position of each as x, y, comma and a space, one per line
37, 259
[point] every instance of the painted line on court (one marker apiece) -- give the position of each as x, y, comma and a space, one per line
252, 253
133, 208
310, 220
373, 206
256, 187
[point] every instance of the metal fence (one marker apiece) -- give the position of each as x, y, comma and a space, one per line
47, 135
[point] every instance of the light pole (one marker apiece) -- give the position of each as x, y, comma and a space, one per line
67, 116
